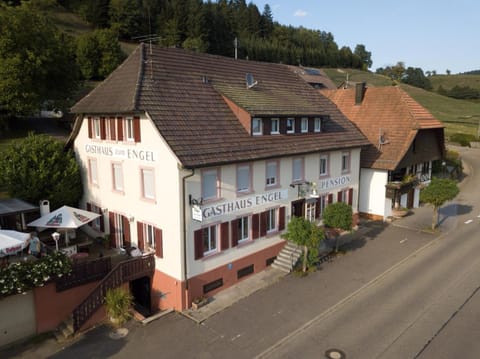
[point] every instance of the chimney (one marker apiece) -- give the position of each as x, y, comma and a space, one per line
359, 92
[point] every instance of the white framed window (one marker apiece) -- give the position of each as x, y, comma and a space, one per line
290, 125
129, 131
93, 170
209, 235
271, 173
317, 124
257, 128
297, 167
304, 125
96, 223
210, 184
244, 178
117, 177
322, 202
310, 209
148, 183
345, 162
272, 220
149, 235
243, 229
97, 132
343, 196
323, 165
111, 129
275, 126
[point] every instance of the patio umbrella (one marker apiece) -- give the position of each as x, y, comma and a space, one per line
12, 242
65, 218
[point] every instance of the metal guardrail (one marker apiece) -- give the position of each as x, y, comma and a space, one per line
85, 272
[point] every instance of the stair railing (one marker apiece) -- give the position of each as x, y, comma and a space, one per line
123, 272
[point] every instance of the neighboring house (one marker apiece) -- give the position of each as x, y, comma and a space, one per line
203, 160
405, 139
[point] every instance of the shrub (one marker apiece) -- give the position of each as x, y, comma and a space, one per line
118, 302
463, 139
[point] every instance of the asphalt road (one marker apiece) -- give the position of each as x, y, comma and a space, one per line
428, 307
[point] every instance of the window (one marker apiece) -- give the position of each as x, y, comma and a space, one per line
96, 128
272, 173
210, 184
297, 169
149, 235
290, 125
321, 203
275, 126
243, 228
111, 130
343, 196
117, 177
257, 126
92, 167
324, 165
317, 124
209, 235
304, 125
97, 222
243, 178
345, 162
129, 132
272, 220
310, 210
148, 184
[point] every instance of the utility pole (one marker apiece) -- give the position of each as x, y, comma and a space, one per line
235, 44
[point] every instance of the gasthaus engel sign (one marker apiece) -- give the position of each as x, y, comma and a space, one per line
121, 152
239, 204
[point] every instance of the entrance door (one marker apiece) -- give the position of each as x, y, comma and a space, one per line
140, 289
298, 208
410, 197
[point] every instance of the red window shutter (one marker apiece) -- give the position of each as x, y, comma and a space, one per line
120, 129
311, 124
102, 223
234, 229
113, 134
263, 224
283, 125
267, 126
103, 129
281, 219
90, 127
317, 208
330, 198
350, 196
255, 226
158, 243
224, 239
126, 232
136, 129
339, 196
111, 220
140, 239
198, 243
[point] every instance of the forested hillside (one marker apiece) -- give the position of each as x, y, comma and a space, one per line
213, 27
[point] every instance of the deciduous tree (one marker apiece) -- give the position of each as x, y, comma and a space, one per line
439, 191
338, 215
38, 168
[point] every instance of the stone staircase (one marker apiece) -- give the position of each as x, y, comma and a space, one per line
288, 257
64, 330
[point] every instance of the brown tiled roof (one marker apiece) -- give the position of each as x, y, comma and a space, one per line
389, 111
194, 119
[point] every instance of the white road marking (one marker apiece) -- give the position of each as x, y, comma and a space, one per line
469, 221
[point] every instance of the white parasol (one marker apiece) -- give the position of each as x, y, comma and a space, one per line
64, 218
12, 242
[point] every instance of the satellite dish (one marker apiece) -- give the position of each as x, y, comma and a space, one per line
250, 81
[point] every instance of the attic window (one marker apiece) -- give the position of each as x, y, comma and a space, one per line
290, 125
317, 124
257, 128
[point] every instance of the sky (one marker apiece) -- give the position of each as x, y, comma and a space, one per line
430, 34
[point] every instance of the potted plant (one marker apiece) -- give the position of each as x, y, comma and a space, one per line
199, 302
118, 302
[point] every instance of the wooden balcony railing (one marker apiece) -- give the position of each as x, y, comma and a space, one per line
85, 272
123, 272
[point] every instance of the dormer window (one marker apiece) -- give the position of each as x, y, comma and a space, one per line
304, 125
257, 126
290, 125
275, 126
317, 124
